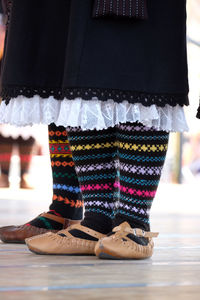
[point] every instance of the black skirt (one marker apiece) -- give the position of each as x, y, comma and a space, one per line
55, 48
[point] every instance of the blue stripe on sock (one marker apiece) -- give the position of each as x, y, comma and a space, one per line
93, 156
145, 220
142, 158
98, 195
141, 182
97, 177
146, 138
136, 201
72, 189
90, 137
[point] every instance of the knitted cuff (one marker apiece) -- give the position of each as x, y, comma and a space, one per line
120, 8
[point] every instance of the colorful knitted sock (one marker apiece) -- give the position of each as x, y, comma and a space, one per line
142, 153
43, 222
67, 198
94, 154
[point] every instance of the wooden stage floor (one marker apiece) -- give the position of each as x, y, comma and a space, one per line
173, 271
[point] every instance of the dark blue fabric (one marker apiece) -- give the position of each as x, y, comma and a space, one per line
1, 7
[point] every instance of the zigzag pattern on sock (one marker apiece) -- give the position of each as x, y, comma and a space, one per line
95, 185
67, 198
138, 191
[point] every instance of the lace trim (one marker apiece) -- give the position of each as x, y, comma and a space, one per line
146, 99
93, 114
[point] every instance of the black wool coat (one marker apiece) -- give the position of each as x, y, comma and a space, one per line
57, 48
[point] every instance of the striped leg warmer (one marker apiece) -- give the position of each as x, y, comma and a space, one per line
94, 154
67, 199
142, 153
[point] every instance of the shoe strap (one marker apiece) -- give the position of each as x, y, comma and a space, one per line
84, 229
136, 231
61, 220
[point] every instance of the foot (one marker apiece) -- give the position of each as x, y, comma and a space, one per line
64, 243
126, 243
44, 223
24, 183
4, 182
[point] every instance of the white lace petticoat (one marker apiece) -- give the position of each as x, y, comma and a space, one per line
93, 114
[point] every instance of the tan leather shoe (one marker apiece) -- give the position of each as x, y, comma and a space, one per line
126, 243
18, 234
63, 243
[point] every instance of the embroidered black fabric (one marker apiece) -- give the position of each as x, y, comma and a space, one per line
8, 8
145, 99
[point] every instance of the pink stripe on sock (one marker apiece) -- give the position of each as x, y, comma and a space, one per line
94, 187
57, 214
135, 192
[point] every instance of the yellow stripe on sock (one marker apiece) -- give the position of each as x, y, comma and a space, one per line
58, 142
94, 146
144, 148
61, 155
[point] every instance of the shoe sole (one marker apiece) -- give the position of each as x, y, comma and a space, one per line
12, 242
59, 254
103, 255
106, 254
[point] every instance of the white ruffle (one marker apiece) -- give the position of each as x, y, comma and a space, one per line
93, 114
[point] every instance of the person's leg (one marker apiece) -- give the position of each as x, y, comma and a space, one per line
67, 205
94, 155
142, 153
25, 154
67, 199
6, 145
139, 147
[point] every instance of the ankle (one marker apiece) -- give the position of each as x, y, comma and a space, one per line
132, 222
97, 222
74, 222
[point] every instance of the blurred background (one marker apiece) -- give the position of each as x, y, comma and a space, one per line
24, 192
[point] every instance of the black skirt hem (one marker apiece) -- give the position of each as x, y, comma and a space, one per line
102, 94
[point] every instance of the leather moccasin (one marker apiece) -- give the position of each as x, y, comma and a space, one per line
18, 234
126, 243
64, 243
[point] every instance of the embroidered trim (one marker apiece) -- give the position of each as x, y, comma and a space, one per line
124, 8
146, 99
8, 7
